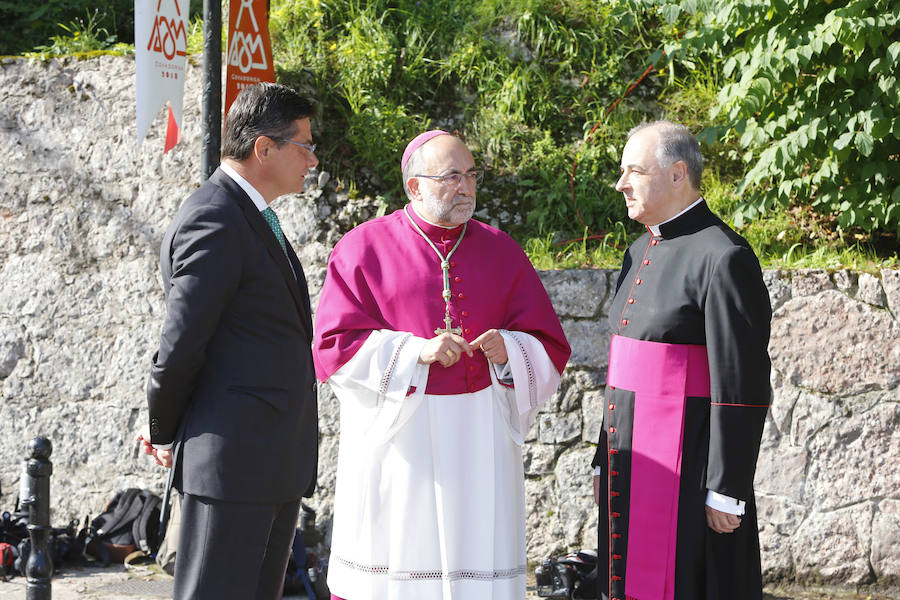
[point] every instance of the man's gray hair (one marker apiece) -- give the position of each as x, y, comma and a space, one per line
676, 142
413, 166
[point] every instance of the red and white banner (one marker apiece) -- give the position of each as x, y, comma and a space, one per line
249, 57
160, 54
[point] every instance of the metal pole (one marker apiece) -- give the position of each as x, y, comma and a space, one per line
35, 492
211, 109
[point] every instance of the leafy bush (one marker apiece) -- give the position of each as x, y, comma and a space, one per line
813, 102
522, 80
68, 26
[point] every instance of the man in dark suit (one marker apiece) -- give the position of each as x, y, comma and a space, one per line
232, 393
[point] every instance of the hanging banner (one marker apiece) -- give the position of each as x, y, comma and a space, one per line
160, 55
249, 57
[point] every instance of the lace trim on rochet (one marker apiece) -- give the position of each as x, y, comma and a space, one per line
431, 574
389, 372
532, 378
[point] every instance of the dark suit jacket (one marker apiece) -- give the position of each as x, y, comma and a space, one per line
233, 383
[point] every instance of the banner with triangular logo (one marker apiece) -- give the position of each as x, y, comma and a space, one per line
160, 56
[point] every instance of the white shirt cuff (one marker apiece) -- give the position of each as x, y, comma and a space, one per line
504, 373
727, 504
598, 471
164, 446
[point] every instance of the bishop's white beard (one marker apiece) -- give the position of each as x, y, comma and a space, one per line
449, 212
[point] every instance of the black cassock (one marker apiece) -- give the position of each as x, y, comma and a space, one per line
696, 283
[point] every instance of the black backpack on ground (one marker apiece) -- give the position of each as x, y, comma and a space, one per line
129, 523
569, 576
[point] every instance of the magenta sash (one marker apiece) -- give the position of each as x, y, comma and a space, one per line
661, 376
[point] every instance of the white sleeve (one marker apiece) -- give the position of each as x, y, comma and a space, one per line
382, 385
535, 380
727, 504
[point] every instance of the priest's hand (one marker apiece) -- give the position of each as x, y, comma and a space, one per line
491, 343
446, 348
721, 522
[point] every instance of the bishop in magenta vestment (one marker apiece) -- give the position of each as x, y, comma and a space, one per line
429, 500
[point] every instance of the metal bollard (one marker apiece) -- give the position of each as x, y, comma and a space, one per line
35, 494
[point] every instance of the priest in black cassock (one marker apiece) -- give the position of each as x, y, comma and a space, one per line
687, 391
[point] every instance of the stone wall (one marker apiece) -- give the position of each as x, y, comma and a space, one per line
82, 212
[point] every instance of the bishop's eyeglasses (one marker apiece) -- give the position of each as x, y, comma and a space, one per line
476, 175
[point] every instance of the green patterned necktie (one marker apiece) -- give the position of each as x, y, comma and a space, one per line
272, 219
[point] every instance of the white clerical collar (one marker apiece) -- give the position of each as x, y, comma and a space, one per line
654, 229
255, 196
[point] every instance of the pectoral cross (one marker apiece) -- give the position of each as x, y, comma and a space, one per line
445, 267
447, 329
445, 271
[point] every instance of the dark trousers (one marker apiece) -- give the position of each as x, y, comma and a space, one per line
232, 549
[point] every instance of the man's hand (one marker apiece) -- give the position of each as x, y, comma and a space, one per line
721, 522
446, 348
162, 457
491, 343
597, 484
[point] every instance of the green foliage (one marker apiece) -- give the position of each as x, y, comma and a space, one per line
50, 26
521, 80
812, 102
82, 36
26, 25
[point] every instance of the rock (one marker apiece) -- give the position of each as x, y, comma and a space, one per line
854, 457
886, 540
806, 282
831, 546
559, 428
593, 407
589, 341
540, 458
781, 472
845, 280
574, 479
576, 293
804, 344
890, 281
870, 290
779, 285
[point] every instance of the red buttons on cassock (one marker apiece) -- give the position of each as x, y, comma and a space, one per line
457, 279
617, 535
467, 330
615, 494
617, 557
612, 429
613, 451
654, 242
461, 296
616, 515
616, 578
624, 321
613, 473
612, 387
638, 281
612, 407
452, 263
647, 261
465, 313
631, 301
